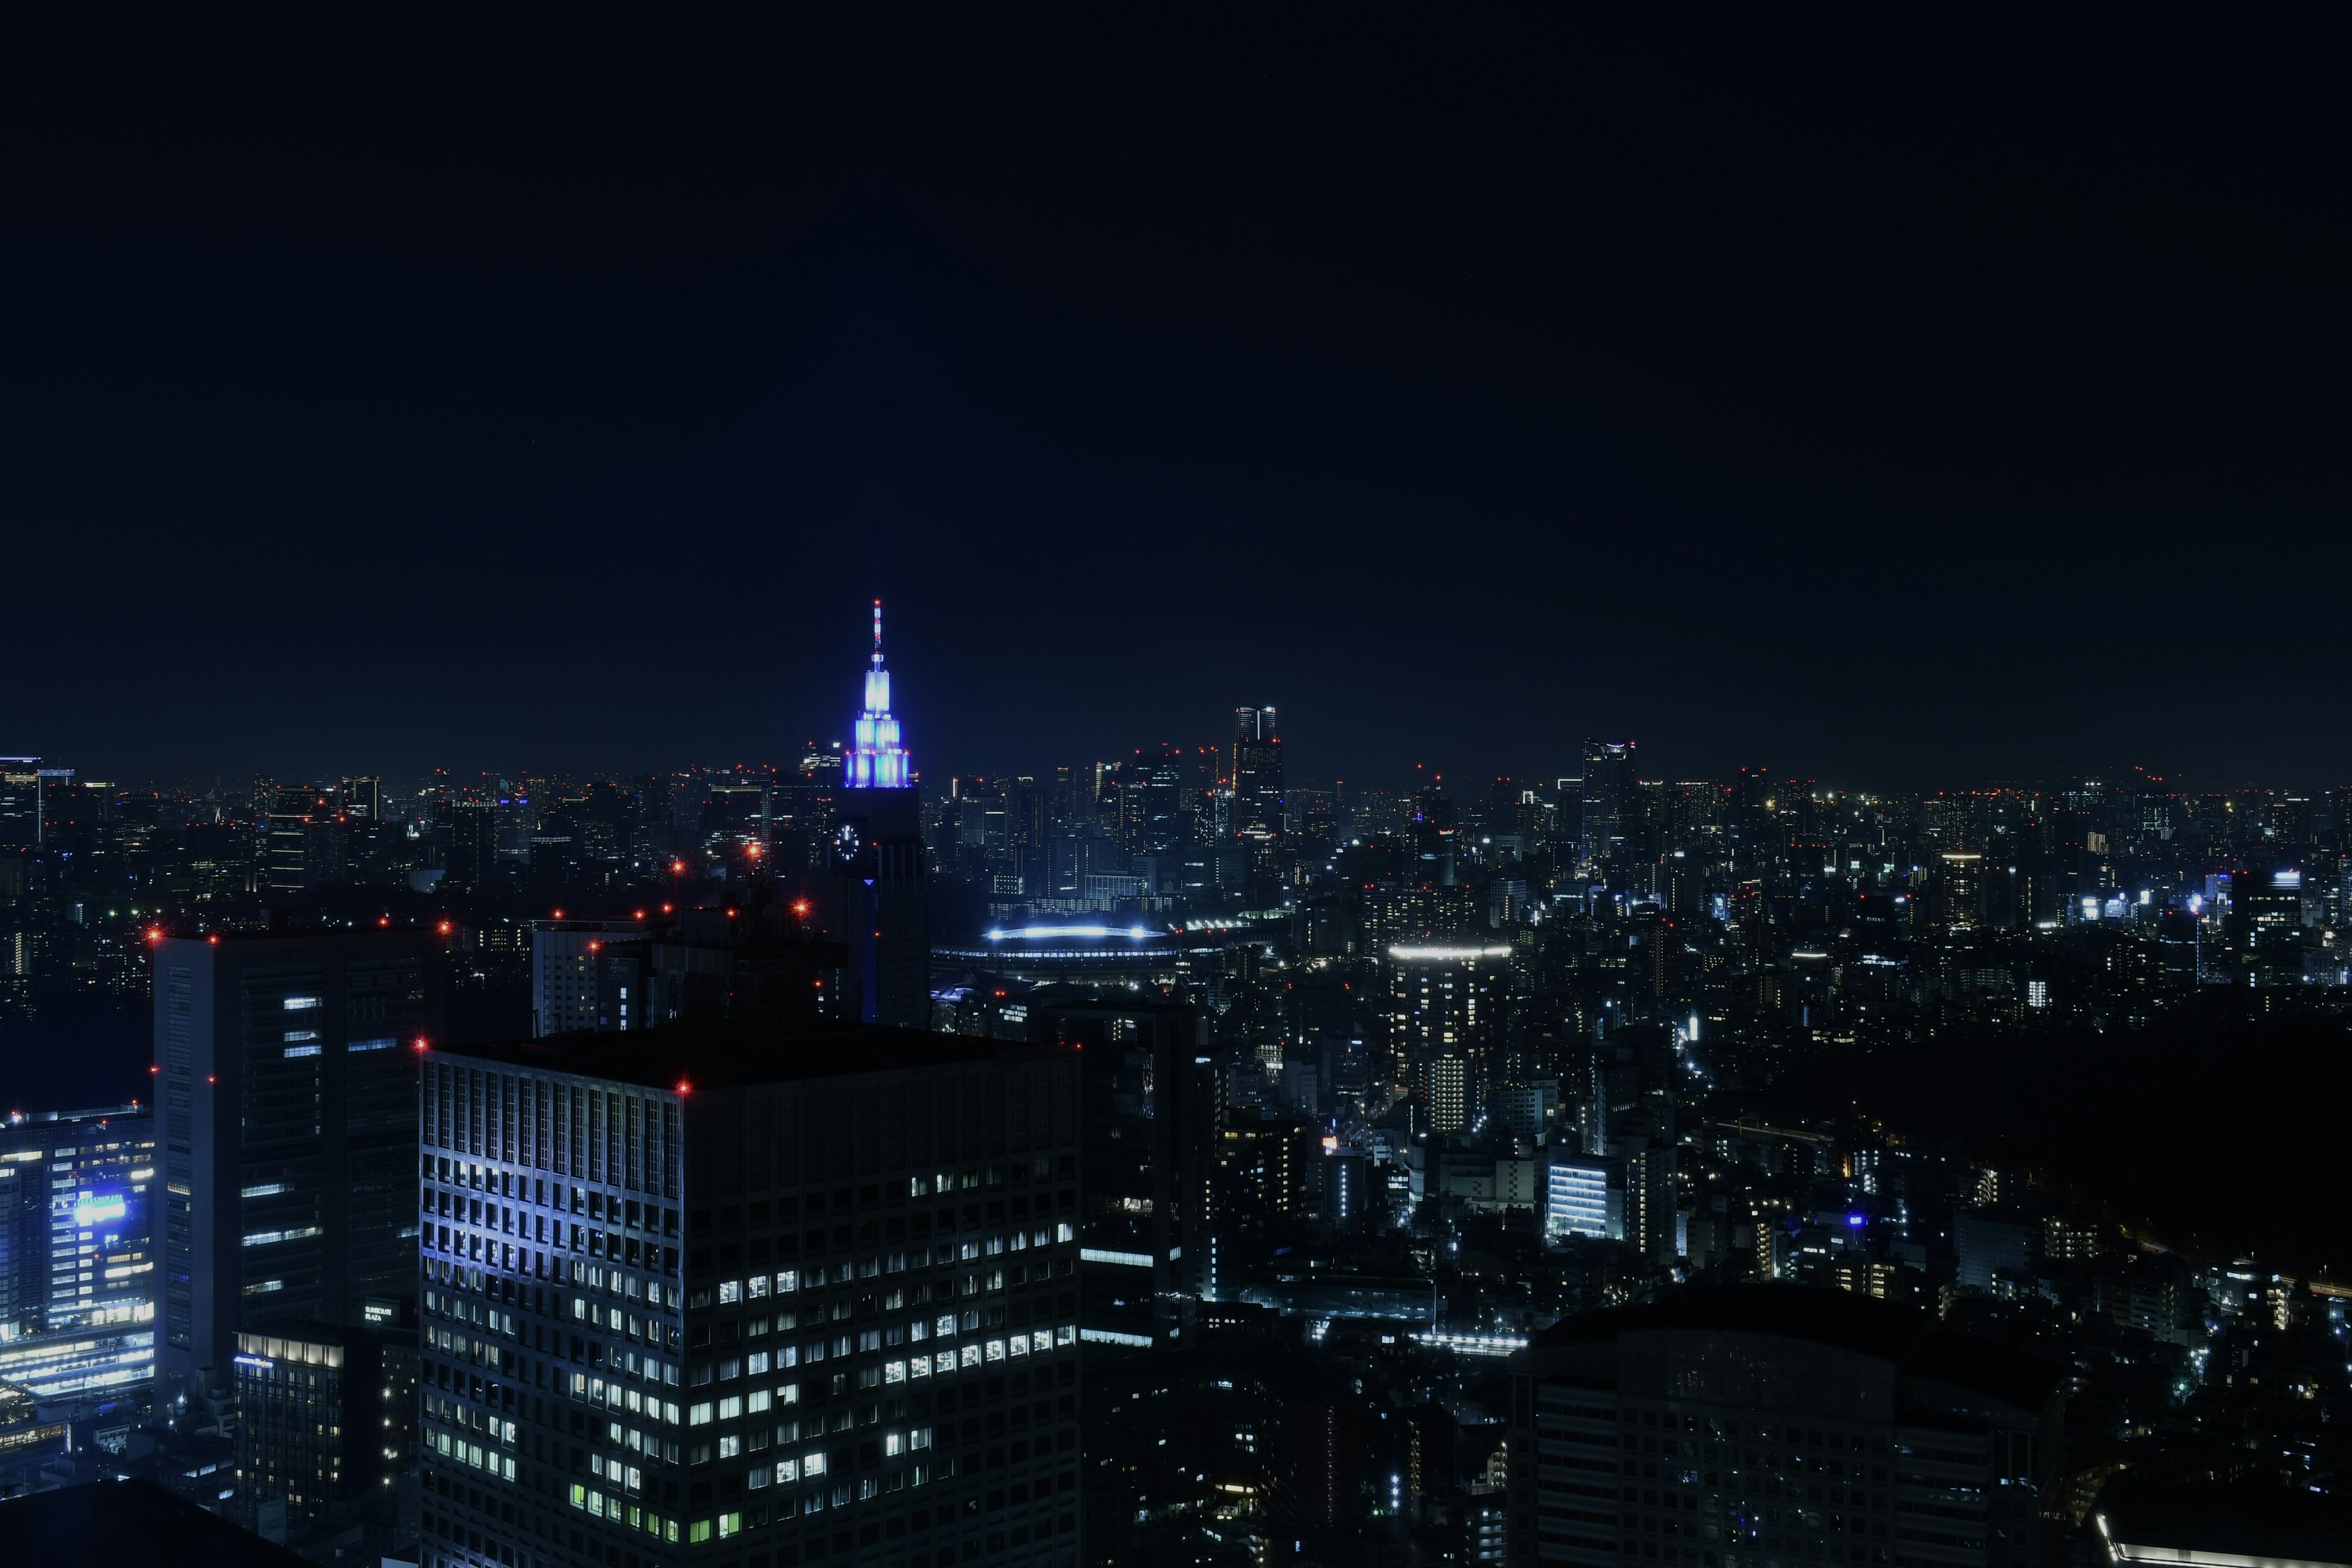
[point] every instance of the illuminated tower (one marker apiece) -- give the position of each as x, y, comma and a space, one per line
880, 762
881, 901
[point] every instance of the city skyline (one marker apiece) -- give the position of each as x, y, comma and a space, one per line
928, 786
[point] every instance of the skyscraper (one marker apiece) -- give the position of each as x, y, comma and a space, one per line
362, 796
322, 1416
20, 802
589, 974
686, 1294
881, 869
1256, 775
1607, 796
305, 840
287, 1066
1148, 1125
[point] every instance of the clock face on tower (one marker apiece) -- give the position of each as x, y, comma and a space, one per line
845, 841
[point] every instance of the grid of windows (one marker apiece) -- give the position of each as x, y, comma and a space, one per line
1700, 1485
610, 1372
551, 1311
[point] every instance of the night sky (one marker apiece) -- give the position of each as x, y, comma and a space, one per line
386, 387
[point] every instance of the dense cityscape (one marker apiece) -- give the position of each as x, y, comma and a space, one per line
915, 785
1322, 1165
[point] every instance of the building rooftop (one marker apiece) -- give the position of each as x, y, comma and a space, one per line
126, 1522
2218, 1525
1838, 1319
719, 1057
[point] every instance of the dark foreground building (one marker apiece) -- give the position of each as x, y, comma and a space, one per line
126, 1524
287, 1073
322, 1418
699, 1297
1765, 1426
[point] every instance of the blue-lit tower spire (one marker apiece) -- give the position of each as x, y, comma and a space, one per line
879, 762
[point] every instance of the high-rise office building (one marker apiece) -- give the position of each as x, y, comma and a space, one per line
305, 840
1607, 797
1256, 774
1960, 891
20, 802
692, 1296
469, 831
881, 869
361, 795
589, 974
323, 1414
77, 1254
1676, 1431
1149, 1125
1751, 821
288, 1074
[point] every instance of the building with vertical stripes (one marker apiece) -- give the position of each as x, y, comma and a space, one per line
701, 1297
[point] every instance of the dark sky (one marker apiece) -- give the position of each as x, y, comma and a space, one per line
1896, 404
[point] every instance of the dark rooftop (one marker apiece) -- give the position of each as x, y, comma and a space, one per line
132, 1523
725, 1058
2159, 1521
1840, 1318
1964, 1361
